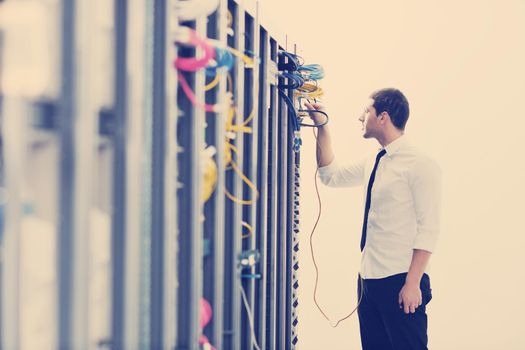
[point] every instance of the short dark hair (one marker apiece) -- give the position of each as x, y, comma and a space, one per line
393, 102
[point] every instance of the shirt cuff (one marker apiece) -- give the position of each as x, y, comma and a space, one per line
426, 241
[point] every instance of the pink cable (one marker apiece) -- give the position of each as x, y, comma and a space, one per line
192, 64
206, 312
205, 317
191, 96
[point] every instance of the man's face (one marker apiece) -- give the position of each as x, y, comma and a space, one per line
369, 120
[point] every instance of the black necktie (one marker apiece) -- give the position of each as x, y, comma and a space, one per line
368, 199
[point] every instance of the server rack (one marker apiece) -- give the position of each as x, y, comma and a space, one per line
269, 284
170, 251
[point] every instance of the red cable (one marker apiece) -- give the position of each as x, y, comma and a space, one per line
191, 96
192, 64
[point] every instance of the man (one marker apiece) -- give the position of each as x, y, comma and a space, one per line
400, 224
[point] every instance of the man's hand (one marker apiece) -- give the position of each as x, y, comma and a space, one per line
410, 297
318, 118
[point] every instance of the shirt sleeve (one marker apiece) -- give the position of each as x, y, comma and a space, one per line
426, 191
334, 175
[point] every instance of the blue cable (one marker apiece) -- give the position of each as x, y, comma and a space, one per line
312, 71
292, 64
295, 80
297, 74
291, 108
224, 58
297, 142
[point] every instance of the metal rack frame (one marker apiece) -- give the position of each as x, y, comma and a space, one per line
169, 249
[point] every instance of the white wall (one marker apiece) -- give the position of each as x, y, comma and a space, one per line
461, 65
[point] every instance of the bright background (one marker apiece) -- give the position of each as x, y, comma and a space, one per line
461, 65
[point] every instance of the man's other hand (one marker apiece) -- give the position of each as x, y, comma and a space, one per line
410, 297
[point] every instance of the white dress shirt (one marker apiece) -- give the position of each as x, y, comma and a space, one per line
405, 206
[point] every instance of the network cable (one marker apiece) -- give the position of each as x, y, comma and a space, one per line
215, 56
311, 71
210, 173
250, 318
205, 317
303, 80
229, 151
249, 228
216, 60
223, 58
295, 80
290, 63
309, 90
315, 111
188, 36
312, 247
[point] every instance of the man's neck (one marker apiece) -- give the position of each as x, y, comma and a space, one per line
387, 139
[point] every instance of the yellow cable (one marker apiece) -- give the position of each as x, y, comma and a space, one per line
248, 183
250, 230
233, 110
210, 178
240, 127
237, 127
248, 61
210, 172
213, 83
309, 90
308, 87
230, 149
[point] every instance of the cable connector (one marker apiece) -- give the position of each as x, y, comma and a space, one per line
297, 142
249, 258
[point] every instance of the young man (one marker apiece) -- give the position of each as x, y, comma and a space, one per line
402, 189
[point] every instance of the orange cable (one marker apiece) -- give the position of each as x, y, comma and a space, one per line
313, 255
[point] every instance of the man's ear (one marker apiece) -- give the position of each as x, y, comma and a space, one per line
384, 116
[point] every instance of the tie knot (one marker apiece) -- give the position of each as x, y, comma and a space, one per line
380, 154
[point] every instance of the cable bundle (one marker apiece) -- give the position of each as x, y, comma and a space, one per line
295, 80
309, 90
188, 37
292, 64
303, 80
312, 71
215, 57
230, 150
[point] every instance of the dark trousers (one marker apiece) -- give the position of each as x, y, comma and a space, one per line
383, 325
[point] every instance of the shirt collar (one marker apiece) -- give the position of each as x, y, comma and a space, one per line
395, 145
